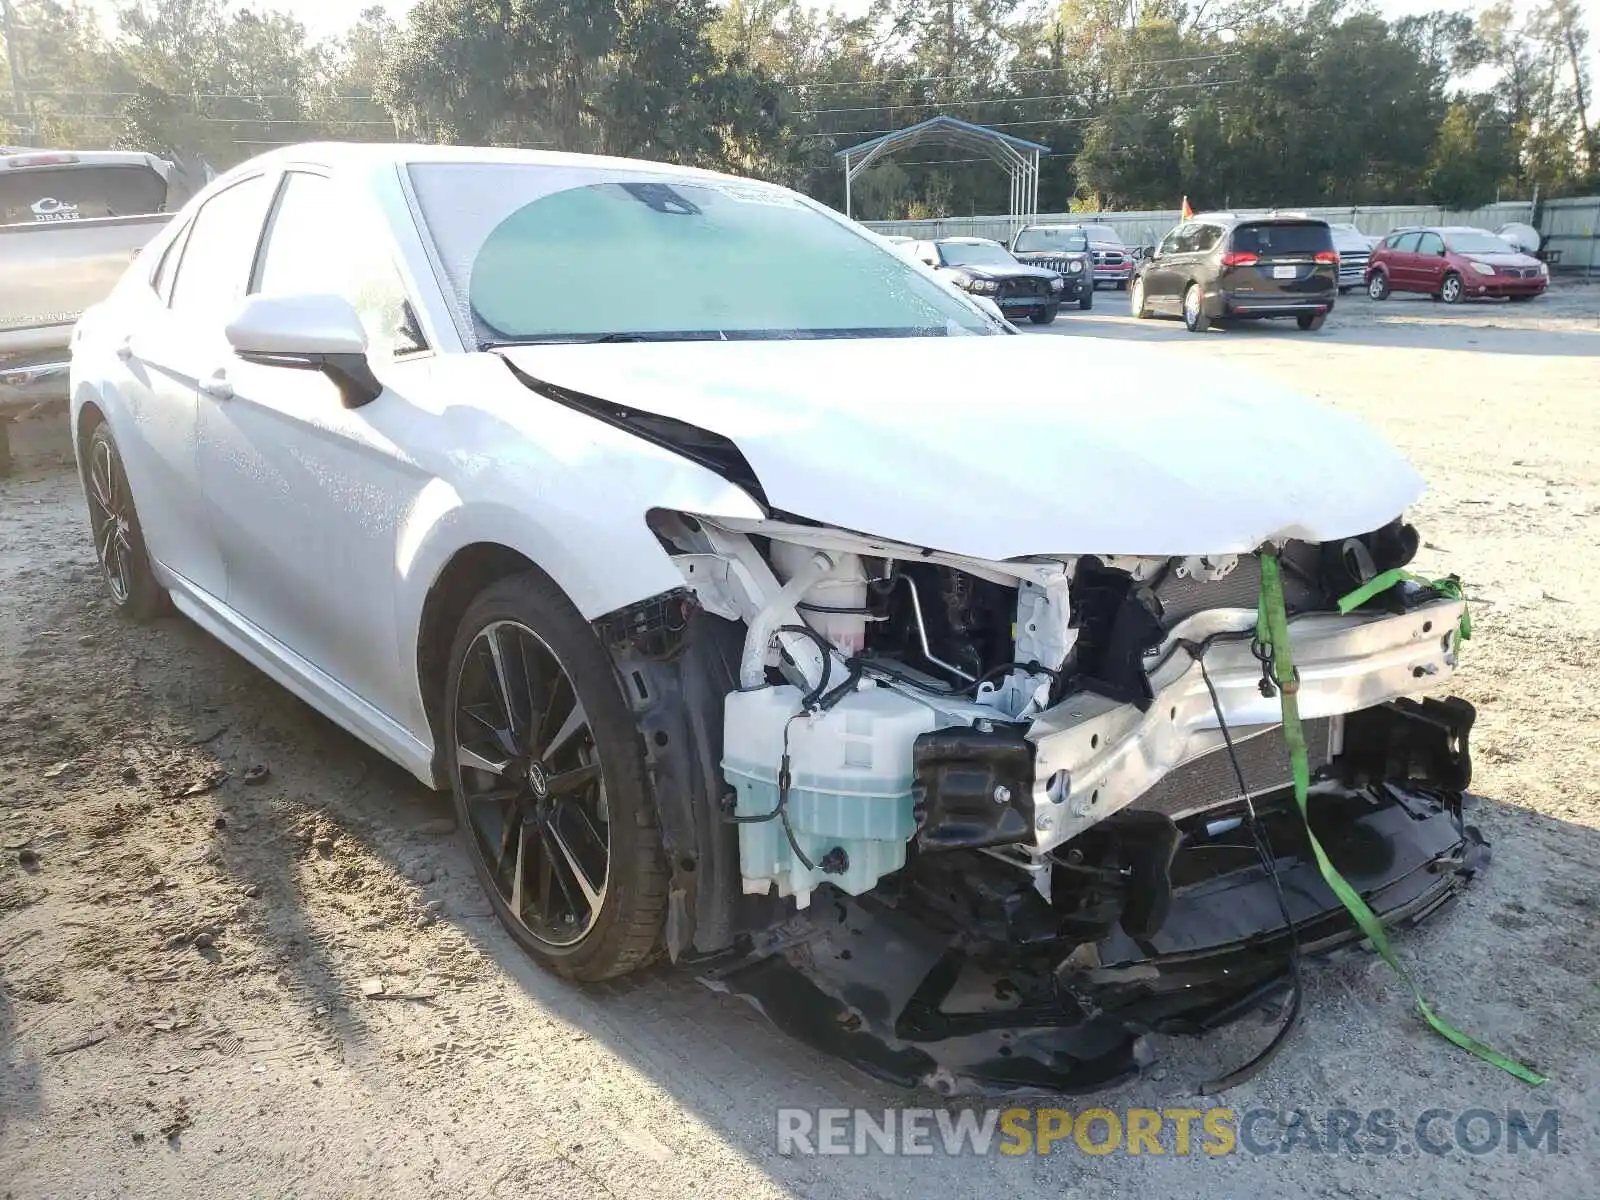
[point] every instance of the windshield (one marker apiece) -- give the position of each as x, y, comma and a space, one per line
73, 193
975, 254
538, 252
1479, 243
1103, 235
1052, 239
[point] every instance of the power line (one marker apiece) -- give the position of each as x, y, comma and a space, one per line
1148, 62
867, 133
1165, 87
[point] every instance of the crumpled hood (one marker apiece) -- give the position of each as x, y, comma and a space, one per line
999, 447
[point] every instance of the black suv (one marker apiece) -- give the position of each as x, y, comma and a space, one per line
1230, 266
1063, 249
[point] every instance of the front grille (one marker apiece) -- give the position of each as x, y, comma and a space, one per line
1109, 258
1520, 272
1058, 265
1209, 781
1014, 289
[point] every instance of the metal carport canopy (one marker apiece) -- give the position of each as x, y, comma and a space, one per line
1018, 156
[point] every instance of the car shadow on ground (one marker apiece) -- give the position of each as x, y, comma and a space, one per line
723, 1063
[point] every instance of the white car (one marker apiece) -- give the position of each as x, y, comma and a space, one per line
756, 595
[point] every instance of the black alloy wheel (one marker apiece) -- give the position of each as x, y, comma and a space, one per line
547, 773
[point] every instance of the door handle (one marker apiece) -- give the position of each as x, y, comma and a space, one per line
125, 349
217, 387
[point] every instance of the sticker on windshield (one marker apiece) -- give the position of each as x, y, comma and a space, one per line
49, 209
747, 193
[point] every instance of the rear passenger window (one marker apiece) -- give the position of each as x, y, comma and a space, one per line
1206, 238
215, 268
1405, 243
1430, 243
167, 264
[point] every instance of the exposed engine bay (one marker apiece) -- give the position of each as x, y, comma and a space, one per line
979, 824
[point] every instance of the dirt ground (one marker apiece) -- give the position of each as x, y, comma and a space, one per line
183, 945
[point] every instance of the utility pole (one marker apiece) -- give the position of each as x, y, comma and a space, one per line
8, 26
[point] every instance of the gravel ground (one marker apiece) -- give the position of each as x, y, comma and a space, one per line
183, 951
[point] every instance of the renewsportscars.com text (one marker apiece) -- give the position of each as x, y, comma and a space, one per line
1166, 1131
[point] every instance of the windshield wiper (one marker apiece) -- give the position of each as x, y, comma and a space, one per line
593, 339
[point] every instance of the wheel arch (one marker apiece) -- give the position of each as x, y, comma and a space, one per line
449, 552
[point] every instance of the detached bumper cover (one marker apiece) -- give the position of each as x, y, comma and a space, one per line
868, 982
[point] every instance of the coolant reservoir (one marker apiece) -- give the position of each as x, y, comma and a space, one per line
844, 587
849, 793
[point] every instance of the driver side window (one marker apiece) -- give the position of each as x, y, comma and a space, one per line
311, 246
215, 267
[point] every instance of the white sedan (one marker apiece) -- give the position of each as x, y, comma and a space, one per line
720, 561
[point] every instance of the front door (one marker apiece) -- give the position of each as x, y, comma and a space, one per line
1429, 263
308, 495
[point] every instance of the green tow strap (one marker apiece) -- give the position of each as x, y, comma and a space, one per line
1272, 631
1449, 586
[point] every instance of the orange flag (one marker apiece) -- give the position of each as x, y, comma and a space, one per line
1188, 213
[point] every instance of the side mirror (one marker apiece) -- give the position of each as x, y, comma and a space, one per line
307, 333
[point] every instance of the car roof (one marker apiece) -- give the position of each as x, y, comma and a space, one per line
1258, 217
359, 157
966, 241
1025, 228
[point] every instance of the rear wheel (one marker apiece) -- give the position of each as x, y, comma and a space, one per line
1194, 313
1136, 303
548, 776
1378, 286
1450, 290
1311, 321
1043, 316
118, 538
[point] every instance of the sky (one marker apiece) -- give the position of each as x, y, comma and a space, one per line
325, 17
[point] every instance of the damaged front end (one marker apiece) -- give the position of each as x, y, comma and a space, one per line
981, 825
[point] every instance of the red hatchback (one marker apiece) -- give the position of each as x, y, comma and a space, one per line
1452, 262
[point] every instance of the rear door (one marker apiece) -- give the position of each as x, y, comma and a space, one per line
1400, 253
1288, 260
168, 352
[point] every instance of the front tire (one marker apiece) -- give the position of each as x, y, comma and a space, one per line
1086, 301
1378, 286
1194, 313
547, 771
1451, 289
118, 537
1136, 304
1045, 315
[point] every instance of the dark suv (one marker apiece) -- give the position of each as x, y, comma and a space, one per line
1063, 249
1228, 266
